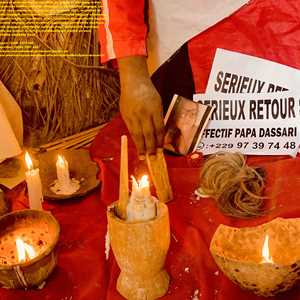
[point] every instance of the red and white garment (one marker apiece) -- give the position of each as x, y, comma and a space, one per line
264, 28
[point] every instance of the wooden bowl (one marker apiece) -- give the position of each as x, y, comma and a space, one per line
238, 253
81, 167
38, 229
140, 249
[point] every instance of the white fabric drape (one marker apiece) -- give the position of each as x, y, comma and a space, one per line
174, 22
11, 125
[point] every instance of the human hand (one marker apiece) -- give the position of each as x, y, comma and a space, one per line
141, 106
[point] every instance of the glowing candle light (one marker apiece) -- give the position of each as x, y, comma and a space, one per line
62, 171
25, 252
141, 206
34, 184
266, 252
141, 188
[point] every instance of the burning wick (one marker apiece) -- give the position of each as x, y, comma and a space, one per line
28, 161
265, 251
25, 252
141, 206
141, 187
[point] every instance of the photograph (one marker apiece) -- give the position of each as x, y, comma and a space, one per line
184, 124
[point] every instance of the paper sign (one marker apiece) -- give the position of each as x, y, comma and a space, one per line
233, 72
261, 124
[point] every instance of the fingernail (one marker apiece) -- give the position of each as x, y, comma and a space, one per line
142, 157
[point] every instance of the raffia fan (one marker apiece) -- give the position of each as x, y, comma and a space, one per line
264, 259
59, 94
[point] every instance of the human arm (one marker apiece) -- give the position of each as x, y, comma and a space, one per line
123, 36
140, 105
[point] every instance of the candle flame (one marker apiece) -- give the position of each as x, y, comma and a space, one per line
24, 251
61, 160
266, 252
142, 183
28, 161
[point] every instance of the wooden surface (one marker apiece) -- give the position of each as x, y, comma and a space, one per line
123, 182
159, 174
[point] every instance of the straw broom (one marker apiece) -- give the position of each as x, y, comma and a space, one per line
59, 96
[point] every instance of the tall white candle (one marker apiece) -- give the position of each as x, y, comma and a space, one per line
34, 184
62, 171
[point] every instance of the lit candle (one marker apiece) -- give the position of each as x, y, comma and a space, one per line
267, 258
34, 184
64, 185
141, 206
25, 252
141, 188
62, 171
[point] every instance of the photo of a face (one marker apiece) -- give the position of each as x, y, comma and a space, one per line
182, 124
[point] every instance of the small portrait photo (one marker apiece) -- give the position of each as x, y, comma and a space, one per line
185, 122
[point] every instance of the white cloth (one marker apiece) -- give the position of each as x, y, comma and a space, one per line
172, 23
11, 125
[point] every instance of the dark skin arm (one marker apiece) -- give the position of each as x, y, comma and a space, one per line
141, 105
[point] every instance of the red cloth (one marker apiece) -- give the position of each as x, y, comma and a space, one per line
264, 28
123, 32
84, 274
194, 222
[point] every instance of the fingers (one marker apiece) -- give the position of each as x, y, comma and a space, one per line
149, 136
136, 132
159, 130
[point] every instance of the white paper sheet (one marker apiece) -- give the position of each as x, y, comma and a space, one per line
256, 74
11, 125
252, 123
270, 75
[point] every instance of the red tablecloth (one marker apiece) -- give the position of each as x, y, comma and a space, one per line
84, 274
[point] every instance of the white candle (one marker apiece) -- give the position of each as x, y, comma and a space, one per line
141, 206
64, 185
62, 171
34, 185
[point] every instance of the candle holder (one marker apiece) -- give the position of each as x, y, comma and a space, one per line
140, 249
29, 266
81, 167
264, 259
